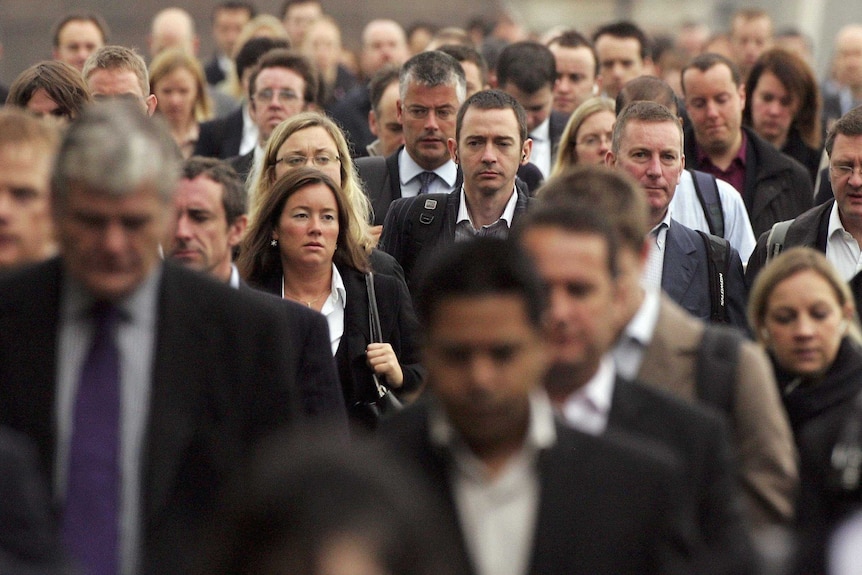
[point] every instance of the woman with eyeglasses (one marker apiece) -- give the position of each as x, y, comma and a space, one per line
587, 137
50, 88
305, 243
177, 79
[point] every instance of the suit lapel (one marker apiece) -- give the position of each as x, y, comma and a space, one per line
680, 262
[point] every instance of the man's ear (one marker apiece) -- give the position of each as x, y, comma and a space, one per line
372, 122
453, 149
151, 103
236, 230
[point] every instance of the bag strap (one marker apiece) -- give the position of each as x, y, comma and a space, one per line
716, 367
718, 267
374, 328
775, 239
425, 218
706, 188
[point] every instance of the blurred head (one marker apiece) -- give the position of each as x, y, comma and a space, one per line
173, 28
647, 88
800, 309
472, 62
178, 81
575, 250
714, 100
588, 134
782, 95
259, 261
27, 149
844, 146
848, 57
750, 36
228, 19
527, 72
482, 305
623, 51
432, 87
577, 70
77, 36
322, 44
50, 88
247, 55
209, 207
383, 42
119, 72
297, 16
283, 84
383, 117
111, 189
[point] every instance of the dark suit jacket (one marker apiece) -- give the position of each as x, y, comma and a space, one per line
351, 114
213, 72
700, 439
777, 187
685, 276
224, 373
606, 505
402, 241
556, 127
242, 164
221, 138
382, 182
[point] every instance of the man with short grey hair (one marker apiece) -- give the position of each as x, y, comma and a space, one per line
143, 384
431, 87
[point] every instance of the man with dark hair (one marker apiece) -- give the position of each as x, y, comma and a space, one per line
577, 70
773, 186
624, 53
297, 15
228, 18
77, 36
383, 117
283, 84
647, 143
702, 201
834, 227
490, 143
527, 71
474, 65
431, 88
751, 34
145, 385
572, 501
236, 134
662, 346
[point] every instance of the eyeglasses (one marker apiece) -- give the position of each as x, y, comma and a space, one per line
844, 170
595, 140
285, 97
297, 160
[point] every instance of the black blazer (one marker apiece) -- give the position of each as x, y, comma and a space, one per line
607, 505
401, 238
700, 439
242, 165
213, 72
222, 137
224, 373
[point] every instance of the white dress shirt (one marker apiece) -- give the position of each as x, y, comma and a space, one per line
587, 408
842, 249
409, 170
541, 152
250, 133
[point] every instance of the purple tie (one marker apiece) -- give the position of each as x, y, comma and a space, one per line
426, 179
90, 520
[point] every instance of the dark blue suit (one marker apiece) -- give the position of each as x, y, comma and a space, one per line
685, 276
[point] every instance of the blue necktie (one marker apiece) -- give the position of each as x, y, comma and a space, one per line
90, 520
426, 179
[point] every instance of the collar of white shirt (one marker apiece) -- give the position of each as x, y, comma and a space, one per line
541, 154
508, 211
409, 169
587, 408
637, 335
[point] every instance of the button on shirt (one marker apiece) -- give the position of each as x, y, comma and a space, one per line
465, 230
498, 513
587, 408
409, 171
842, 249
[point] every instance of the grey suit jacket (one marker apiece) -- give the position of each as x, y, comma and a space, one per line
685, 276
761, 434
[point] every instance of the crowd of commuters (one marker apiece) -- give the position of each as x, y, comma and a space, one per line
470, 301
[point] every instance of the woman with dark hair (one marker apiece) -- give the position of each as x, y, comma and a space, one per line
783, 104
300, 246
50, 88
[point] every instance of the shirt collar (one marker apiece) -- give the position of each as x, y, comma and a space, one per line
835, 224
599, 389
409, 169
642, 325
139, 306
541, 433
339, 292
703, 158
234, 277
542, 132
508, 211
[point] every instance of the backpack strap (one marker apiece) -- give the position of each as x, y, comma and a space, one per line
775, 239
718, 266
717, 360
425, 218
706, 188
